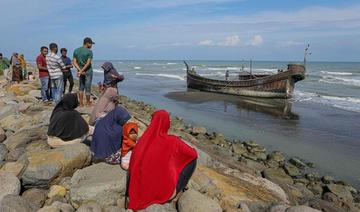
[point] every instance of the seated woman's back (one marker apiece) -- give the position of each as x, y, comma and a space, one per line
65, 122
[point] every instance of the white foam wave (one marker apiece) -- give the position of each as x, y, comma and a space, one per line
171, 63
339, 80
98, 70
137, 67
345, 103
163, 75
337, 73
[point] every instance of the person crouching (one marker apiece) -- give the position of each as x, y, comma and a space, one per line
130, 136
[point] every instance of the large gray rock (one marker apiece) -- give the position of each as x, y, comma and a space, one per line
50, 166
9, 184
6, 111
301, 208
15, 203
297, 162
291, 169
36, 196
193, 201
25, 137
2, 135
277, 156
64, 207
341, 191
277, 176
169, 207
90, 207
325, 206
15, 122
278, 208
92, 185
196, 130
3, 151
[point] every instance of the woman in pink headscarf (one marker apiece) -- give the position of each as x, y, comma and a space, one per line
106, 103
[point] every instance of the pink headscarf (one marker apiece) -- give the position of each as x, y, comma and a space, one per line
104, 105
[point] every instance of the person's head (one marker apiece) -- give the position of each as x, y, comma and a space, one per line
107, 66
15, 54
111, 94
133, 135
70, 101
53, 48
63, 52
44, 50
88, 42
21, 56
30, 73
160, 120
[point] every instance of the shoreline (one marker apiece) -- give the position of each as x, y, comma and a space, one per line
244, 163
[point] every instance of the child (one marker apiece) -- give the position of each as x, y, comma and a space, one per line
31, 76
130, 135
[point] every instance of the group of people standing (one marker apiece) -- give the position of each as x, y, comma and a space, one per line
55, 71
16, 67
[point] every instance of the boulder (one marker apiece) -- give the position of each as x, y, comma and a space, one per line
25, 137
196, 130
301, 208
278, 208
15, 168
92, 185
90, 207
115, 209
277, 176
12, 202
36, 196
313, 176
15, 122
340, 191
2, 135
49, 209
194, 201
9, 184
316, 188
50, 166
15, 154
238, 148
64, 207
3, 151
35, 94
327, 179
291, 170
7, 110
324, 205
297, 162
277, 156
168, 207
56, 190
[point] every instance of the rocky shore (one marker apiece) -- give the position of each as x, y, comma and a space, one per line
231, 175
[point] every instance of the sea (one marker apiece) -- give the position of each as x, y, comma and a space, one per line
320, 124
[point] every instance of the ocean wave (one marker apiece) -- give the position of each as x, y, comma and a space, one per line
345, 103
98, 70
339, 80
171, 63
137, 67
267, 70
163, 75
337, 73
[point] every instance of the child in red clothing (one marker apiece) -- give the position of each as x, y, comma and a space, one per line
130, 136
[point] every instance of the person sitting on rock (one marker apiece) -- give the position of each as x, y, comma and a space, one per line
107, 137
160, 165
106, 103
130, 135
67, 126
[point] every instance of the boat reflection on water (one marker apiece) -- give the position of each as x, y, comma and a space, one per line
279, 108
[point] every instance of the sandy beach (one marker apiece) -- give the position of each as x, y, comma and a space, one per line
232, 175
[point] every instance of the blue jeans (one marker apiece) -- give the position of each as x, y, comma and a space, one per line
85, 82
57, 86
44, 88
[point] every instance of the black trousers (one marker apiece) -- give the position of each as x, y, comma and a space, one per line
68, 77
185, 176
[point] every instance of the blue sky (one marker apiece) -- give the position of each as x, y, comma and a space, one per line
186, 29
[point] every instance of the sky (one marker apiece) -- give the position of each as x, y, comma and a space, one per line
186, 29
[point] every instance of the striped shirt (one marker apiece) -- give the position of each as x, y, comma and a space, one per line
54, 65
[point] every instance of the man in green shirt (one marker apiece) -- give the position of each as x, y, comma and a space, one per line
4, 64
82, 60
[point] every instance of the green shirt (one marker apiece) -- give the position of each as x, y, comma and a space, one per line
4, 63
81, 55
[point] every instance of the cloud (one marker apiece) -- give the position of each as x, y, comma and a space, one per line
232, 40
257, 40
206, 43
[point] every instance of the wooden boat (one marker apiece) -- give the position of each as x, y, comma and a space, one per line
280, 85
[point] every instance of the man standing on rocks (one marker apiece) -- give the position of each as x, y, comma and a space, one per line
82, 61
55, 66
4, 65
67, 75
43, 73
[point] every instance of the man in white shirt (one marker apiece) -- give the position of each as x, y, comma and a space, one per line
55, 66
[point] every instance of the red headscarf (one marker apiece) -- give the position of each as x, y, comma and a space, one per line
156, 163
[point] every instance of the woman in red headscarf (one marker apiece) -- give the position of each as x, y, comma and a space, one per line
160, 165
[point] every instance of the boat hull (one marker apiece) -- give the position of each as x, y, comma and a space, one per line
279, 85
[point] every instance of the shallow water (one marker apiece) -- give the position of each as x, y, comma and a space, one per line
321, 123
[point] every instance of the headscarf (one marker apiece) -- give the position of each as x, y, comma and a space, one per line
65, 122
127, 142
109, 73
14, 60
107, 135
22, 61
156, 163
104, 105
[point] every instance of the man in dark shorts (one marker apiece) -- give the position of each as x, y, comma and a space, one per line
67, 72
82, 60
